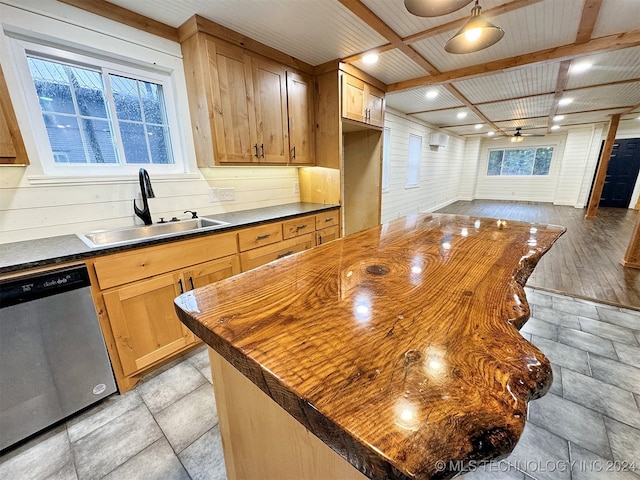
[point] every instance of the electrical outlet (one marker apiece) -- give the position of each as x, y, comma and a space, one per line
213, 195
296, 188
227, 194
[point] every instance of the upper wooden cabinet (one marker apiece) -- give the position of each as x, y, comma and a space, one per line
12, 151
362, 102
301, 118
244, 107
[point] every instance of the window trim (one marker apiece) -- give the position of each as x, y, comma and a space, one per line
22, 47
531, 175
415, 163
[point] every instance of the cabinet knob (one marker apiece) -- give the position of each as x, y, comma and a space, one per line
294, 152
255, 150
262, 150
262, 237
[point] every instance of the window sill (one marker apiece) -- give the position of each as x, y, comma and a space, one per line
105, 180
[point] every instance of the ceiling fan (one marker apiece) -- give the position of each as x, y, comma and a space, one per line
519, 136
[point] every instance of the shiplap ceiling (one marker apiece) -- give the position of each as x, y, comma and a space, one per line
515, 83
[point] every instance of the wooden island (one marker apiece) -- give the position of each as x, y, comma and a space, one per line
392, 353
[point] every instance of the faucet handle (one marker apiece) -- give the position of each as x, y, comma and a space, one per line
193, 214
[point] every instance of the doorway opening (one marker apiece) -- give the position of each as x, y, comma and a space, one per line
622, 173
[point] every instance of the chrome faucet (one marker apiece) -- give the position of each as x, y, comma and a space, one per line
147, 192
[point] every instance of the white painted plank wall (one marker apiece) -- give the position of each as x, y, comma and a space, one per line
468, 175
575, 166
520, 188
439, 172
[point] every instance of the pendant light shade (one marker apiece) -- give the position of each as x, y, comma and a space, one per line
476, 34
434, 8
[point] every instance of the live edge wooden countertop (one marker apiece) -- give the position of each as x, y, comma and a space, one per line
397, 346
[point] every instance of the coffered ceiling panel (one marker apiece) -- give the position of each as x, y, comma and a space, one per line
524, 123
617, 16
589, 117
607, 67
511, 84
470, 129
392, 66
519, 108
602, 97
448, 118
535, 27
417, 101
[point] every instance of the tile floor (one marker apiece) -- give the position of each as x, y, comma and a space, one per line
586, 428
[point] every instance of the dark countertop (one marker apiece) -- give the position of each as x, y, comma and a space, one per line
397, 346
52, 251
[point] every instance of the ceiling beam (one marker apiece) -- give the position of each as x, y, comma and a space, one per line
549, 55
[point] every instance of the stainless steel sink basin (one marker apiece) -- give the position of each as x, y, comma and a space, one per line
121, 236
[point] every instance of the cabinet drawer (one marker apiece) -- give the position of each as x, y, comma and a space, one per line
326, 235
298, 226
258, 236
259, 256
118, 269
327, 219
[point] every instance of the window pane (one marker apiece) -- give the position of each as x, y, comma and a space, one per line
69, 97
159, 144
518, 162
495, 162
134, 142
99, 142
153, 102
64, 137
413, 167
127, 100
543, 161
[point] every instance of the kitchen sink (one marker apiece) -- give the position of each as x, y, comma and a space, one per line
121, 236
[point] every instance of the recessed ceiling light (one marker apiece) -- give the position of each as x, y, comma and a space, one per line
370, 58
461, 115
555, 127
565, 101
581, 67
478, 126
558, 118
491, 133
431, 94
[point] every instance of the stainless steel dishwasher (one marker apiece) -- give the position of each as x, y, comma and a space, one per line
53, 359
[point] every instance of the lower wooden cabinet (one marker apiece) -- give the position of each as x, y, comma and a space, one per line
142, 316
134, 291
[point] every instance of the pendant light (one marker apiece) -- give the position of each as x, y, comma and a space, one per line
434, 8
475, 35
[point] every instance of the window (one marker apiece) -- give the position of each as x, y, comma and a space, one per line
413, 167
520, 161
98, 117
386, 158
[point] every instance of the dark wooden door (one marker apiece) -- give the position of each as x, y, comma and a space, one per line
622, 173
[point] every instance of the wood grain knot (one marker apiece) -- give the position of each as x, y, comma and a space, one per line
377, 270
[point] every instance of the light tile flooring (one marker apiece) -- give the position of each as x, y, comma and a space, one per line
586, 428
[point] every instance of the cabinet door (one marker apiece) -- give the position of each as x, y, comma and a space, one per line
270, 95
12, 149
374, 112
326, 235
210, 272
233, 113
144, 323
301, 119
353, 98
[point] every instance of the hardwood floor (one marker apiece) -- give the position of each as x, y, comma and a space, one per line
585, 262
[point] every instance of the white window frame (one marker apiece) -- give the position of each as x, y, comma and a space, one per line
414, 161
531, 175
107, 66
386, 159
